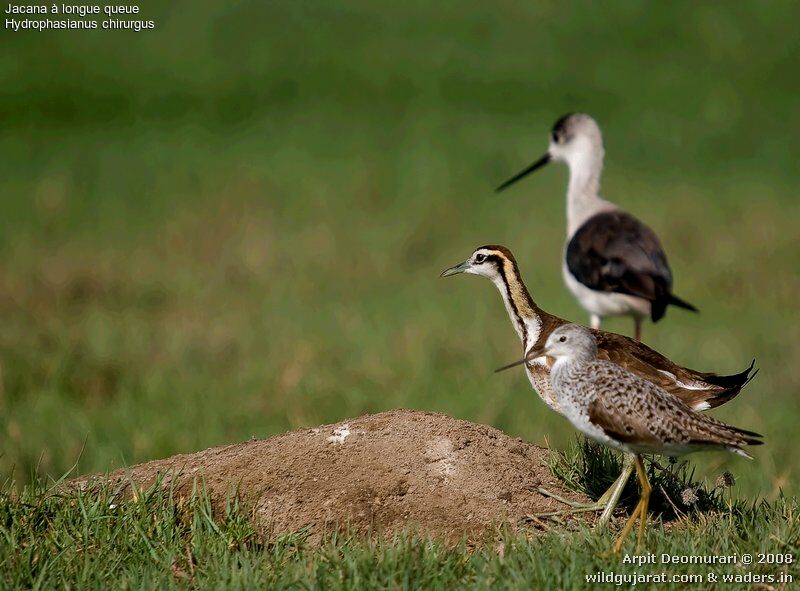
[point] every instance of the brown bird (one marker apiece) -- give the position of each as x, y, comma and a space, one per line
622, 410
698, 390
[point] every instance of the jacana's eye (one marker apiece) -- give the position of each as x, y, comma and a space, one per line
562, 339
479, 258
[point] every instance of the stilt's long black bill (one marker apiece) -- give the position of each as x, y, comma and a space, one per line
510, 365
533, 354
538, 164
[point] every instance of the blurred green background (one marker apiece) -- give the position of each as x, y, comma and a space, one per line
233, 225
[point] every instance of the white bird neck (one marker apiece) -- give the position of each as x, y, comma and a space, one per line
559, 365
583, 190
523, 312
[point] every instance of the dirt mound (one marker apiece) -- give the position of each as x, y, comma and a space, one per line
381, 472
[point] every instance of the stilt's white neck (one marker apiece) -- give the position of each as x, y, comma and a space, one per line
583, 191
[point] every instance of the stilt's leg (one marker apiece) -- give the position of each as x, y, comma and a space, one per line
573, 504
606, 503
615, 491
645, 500
641, 507
594, 321
637, 328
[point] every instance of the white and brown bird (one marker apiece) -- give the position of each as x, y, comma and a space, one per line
613, 264
698, 390
615, 407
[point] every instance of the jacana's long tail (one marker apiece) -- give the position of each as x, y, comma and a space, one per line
732, 384
740, 379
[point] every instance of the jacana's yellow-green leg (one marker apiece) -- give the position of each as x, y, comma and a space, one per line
641, 508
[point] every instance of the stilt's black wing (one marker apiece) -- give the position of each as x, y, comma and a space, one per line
615, 252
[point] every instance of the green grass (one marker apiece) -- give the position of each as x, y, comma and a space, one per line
93, 540
233, 225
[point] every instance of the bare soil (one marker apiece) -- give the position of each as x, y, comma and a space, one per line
378, 473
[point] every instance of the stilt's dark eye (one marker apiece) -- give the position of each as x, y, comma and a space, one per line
479, 258
562, 339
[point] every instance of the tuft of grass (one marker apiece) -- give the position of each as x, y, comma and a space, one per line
590, 468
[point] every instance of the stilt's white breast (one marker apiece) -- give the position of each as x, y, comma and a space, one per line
604, 303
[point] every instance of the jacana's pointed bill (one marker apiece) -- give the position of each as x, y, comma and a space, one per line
538, 164
459, 268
